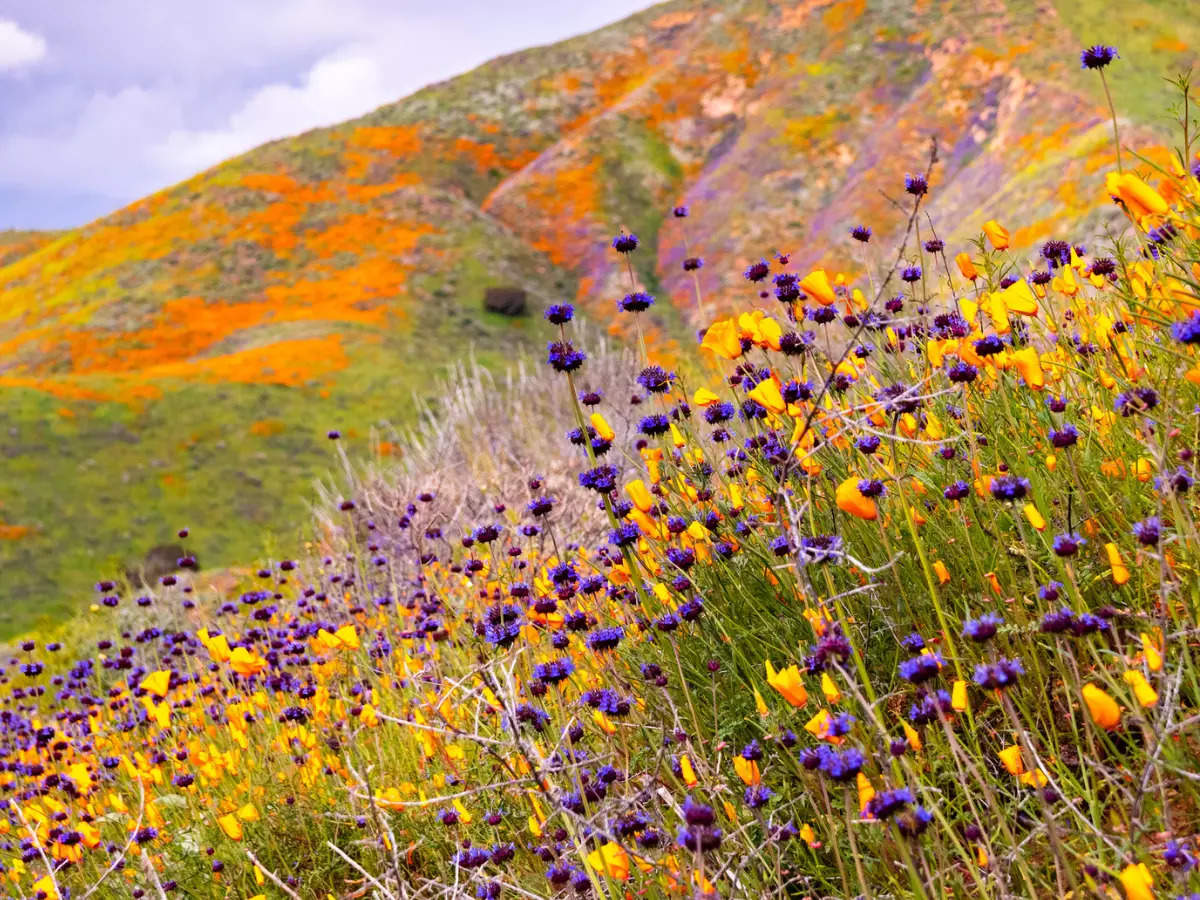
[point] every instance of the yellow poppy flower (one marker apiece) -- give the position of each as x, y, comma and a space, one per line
788, 683
997, 234
1103, 709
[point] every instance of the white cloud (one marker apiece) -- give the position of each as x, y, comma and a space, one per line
337, 87
101, 153
18, 47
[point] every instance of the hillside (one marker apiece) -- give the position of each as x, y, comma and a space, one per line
179, 362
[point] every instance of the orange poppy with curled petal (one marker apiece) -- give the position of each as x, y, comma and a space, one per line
851, 500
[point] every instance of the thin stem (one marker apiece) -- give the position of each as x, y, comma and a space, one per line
1113, 112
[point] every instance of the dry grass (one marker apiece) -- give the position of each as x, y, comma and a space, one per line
482, 444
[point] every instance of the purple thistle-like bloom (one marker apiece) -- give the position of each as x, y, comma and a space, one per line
797, 391
1055, 403
471, 857
1129, 403
922, 667
913, 822
898, 398
540, 506
793, 344
667, 622
913, 642
841, 724
821, 547
1067, 544
1097, 56
1177, 482
602, 479
718, 413
757, 271
871, 487
1176, 855
1058, 621
654, 425
605, 638
757, 796
625, 243
1088, 623
1064, 437
501, 634
560, 313
680, 212
956, 491
950, 325
555, 670
962, 373
983, 628
886, 804
929, 706
989, 345
655, 379
697, 813
692, 263
860, 233
910, 274
787, 287
1050, 591
638, 301
1056, 253
625, 534
832, 647
1187, 331
841, 766
1148, 531
916, 184
563, 357
1009, 487
485, 534
868, 443
1000, 674
699, 838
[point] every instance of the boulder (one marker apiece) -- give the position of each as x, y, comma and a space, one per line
159, 561
508, 301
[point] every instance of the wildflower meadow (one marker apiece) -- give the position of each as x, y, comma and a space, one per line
889, 590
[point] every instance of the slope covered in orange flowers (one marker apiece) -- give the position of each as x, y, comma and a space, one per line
323, 280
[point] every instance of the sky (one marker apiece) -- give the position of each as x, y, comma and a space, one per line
105, 101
